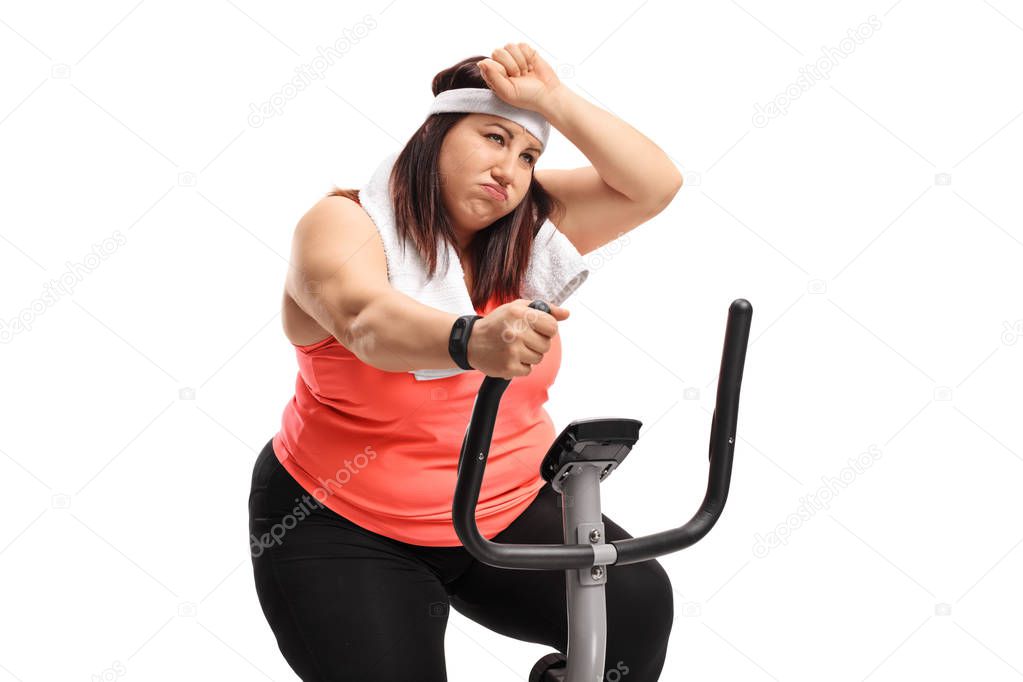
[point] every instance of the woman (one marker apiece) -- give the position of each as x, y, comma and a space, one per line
353, 549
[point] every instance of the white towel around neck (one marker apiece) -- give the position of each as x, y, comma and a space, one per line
556, 268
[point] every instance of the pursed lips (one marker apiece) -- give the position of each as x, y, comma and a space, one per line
499, 190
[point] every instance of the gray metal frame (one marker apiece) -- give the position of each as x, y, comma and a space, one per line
587, 609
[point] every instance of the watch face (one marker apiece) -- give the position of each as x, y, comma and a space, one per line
457, 343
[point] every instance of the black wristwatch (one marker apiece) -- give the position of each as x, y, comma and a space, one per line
458, 342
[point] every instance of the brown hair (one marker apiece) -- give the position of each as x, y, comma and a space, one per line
498, 254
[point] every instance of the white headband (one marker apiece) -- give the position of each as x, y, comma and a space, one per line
485, 101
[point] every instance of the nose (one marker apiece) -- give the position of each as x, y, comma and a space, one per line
504, 170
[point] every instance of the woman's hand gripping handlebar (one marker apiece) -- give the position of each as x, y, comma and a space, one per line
508, 341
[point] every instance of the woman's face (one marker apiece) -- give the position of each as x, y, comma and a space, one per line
484, 149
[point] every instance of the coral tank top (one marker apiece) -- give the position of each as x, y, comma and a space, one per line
381, 448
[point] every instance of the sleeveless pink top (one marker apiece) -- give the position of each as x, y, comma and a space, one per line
381, 448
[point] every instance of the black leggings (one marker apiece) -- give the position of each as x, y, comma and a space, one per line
348, 604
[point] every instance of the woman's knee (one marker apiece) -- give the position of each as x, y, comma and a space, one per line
640, 613
343, 604
353, 618
645, 597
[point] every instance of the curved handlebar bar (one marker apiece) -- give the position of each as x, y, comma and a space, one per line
476, 445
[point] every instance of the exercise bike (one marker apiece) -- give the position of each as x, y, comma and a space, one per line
586, 453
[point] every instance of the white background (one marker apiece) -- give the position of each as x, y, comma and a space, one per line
875, 226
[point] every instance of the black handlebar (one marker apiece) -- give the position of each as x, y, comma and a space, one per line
476, 445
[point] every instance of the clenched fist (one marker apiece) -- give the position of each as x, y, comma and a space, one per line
512, 338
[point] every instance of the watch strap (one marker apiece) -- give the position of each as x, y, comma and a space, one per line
458, 341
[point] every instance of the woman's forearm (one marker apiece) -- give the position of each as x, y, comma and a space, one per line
624, 158
396, 333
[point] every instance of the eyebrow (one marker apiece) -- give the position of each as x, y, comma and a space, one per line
511, 135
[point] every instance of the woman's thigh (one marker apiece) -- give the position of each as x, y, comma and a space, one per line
532, 606
343, 603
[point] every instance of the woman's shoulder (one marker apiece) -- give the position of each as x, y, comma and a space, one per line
349, 194
339, 207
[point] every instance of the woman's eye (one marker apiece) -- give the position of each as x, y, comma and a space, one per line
532, 159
